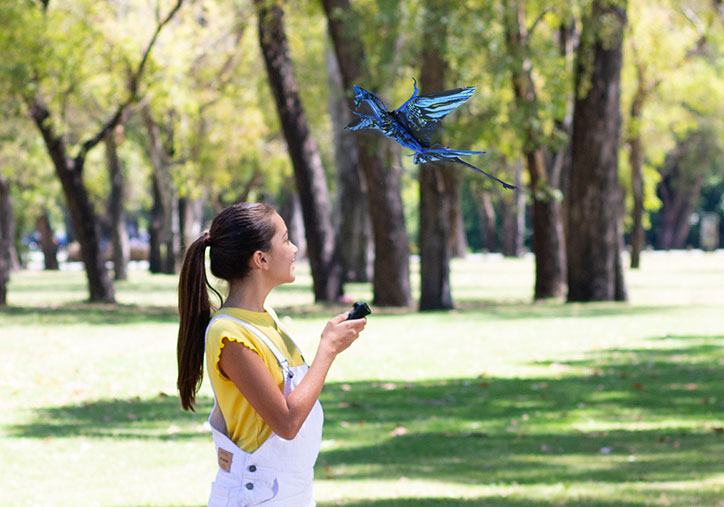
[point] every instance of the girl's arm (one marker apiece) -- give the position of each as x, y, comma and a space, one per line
249, 373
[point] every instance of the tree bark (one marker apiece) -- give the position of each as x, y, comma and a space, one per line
190, 220
48, 244
303, 151
120, 244
488, 220
636, 160
458, 241
437, 180
353, 228
155, 227
85, 221
594, 203
435, 251
165, 247
391, 278
513, 222
291, 212
548, 239
6, 238
637, 187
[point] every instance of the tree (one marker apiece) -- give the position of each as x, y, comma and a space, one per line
69, 168
353, 231
121, 248
545, 171
6, 237
696, 157
594, 210
391, 278
303, 151
438, 183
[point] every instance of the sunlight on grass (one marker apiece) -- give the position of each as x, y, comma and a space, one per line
502, 401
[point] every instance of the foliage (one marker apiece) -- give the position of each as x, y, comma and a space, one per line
673, 49
207, 87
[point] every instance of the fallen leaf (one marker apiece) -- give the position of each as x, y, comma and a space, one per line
399, 431
638, 386
691, 386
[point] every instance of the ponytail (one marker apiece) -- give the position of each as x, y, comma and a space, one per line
194, 314
235, 234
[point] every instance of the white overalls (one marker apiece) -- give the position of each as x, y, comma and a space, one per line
278, 474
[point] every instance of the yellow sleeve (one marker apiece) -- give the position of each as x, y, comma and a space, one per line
215, 341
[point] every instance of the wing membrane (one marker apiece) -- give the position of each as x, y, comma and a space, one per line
421, 114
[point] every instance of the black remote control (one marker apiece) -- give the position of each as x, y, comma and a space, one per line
360, 310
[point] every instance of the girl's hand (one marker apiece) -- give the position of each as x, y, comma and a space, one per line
339, 333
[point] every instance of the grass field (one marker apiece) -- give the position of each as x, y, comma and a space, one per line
500, 402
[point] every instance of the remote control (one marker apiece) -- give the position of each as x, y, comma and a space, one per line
360, 310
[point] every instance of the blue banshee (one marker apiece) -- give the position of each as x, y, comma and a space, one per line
413, 123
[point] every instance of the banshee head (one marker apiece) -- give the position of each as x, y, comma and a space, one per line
362, 95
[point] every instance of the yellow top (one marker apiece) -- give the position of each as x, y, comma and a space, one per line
245, 426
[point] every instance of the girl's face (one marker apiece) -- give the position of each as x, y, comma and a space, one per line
281, 253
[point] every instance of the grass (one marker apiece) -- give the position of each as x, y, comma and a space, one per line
500, 402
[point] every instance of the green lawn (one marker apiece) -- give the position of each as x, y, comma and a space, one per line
500, 402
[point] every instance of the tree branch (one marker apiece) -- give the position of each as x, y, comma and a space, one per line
536, 21
132, 88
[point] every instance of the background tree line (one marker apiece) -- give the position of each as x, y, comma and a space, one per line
133, 117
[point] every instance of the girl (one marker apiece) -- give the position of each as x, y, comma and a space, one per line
267, 420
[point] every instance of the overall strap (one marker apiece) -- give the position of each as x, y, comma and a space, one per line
287, 333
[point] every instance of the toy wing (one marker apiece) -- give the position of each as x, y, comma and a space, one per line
421, 114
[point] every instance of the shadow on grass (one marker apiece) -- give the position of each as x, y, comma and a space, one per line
491, 501
620, 416
158, 418
488, 309
92, 314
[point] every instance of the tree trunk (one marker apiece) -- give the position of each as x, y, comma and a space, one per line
190, 220
85, 221
121, 248
6, 238
165, 220
458, 241
48, 244
353, 228
636, 159
155, 227
437, 181
171, 260
594, 202
513, 217
488, 220
548, 239
435, 252
291, 212
391, 279
637, 187
303, 151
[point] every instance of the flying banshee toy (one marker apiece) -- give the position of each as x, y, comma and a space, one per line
413, 123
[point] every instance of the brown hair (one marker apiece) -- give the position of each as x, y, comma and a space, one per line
235, 234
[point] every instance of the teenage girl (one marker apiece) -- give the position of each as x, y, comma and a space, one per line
267, 420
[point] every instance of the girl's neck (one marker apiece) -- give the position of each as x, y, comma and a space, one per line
247, 294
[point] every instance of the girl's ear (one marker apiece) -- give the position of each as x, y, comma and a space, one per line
258, 260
